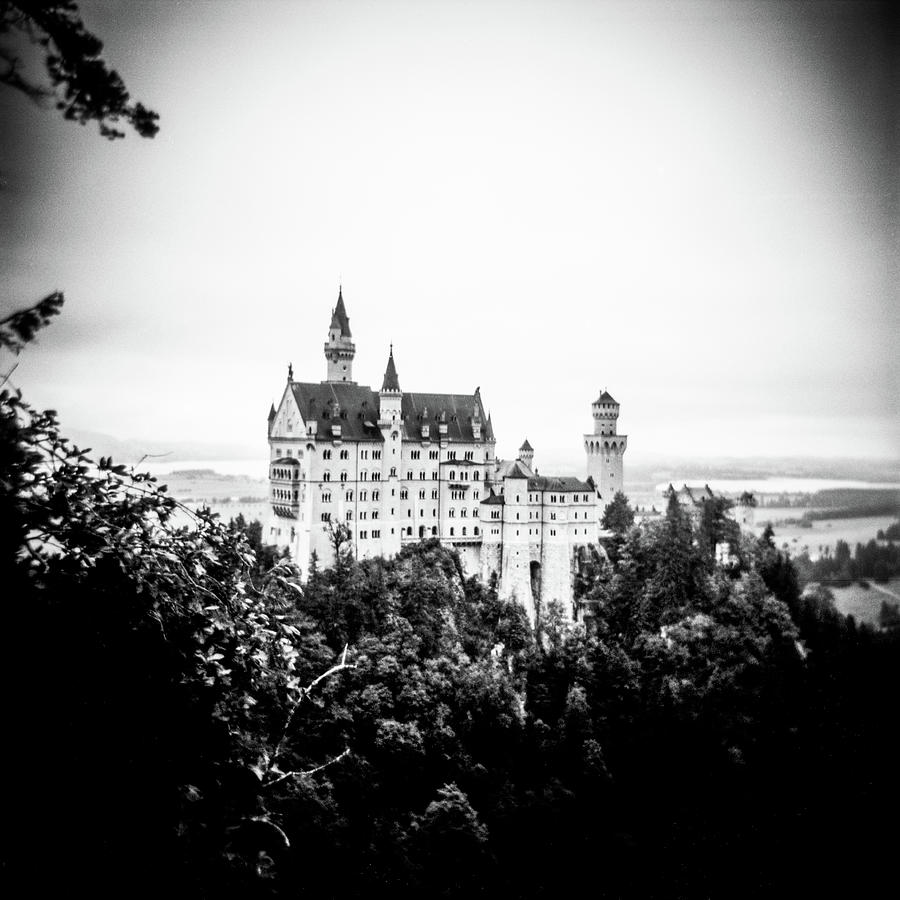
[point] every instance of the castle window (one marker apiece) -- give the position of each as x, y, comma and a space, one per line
345, 454
475, 530
393, 471
421, 495
433, 454
452, 513
476, 475
464, 531
434, 495
469, 454
363, 475
348, 515
348, 496
363, 535
326, 516
451, 531
343, 476
464, 512
374, 513
409, 476
376, 454
434, 476
409, 532
434, 530
362, 514
326, 454
326, 475
451, 454
376, 495
452, 475
422, 475
326, 497
415, 454
404, 493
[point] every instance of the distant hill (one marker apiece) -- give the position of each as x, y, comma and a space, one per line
131, 450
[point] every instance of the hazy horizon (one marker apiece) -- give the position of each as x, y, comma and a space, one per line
691, 205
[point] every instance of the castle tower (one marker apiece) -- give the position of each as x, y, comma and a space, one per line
339, 349
390, 423
605, 449
526, 454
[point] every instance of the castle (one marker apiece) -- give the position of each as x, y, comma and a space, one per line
398, 467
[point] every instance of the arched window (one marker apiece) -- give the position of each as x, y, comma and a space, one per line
475, 530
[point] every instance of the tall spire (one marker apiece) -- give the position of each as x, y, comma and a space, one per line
339, 318
391, 381
339, 348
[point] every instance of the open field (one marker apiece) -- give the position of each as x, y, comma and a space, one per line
822, 533
864, 604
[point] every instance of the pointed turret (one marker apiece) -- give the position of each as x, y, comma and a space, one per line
339, 348
271, 416
339, 317
391, 381
526, 453
390, 397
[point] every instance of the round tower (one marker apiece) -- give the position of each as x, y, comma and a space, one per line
339, 348
605, 449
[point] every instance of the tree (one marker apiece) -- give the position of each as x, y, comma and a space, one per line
79, 82
159, 673
618, 516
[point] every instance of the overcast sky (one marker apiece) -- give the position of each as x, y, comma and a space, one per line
692, 205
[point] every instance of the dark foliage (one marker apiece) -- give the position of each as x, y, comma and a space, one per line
79, 82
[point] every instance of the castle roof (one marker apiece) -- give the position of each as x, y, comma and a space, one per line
505, 466
391, 381
456, 411
518, 470
527, 447
271, 412
605, 397
494, 499
357, 407
339, 317
563, 484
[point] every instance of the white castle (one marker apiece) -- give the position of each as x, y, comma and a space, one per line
398, 467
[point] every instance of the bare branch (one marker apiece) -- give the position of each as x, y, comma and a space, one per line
304, 693
325, 765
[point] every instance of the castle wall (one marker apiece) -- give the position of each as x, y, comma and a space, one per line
490, 560
470, 556
556, 574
